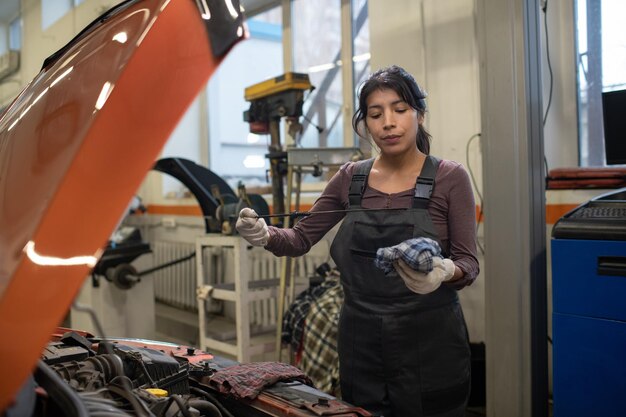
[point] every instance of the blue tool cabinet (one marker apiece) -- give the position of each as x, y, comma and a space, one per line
589, 309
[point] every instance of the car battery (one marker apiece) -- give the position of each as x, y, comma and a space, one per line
589, 308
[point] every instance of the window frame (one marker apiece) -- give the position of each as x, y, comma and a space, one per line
589, 64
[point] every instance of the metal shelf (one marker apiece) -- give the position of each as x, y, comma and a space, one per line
242, 291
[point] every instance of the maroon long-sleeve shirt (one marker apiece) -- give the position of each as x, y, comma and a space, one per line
452, 209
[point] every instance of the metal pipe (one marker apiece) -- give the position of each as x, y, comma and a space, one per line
165, 265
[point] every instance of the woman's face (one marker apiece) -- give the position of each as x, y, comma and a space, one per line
392, 123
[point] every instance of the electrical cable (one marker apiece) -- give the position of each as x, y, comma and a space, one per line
480, 196
544, 8
545, 24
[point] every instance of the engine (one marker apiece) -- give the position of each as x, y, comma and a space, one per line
77, 377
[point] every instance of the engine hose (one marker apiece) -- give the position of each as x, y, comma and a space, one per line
123, 387
100, 406
181, 406
57, 388
110, 365
212, 400
205, 407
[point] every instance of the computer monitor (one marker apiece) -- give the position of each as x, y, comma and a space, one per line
614, 114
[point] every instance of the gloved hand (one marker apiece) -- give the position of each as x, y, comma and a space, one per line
252, 228
425, 283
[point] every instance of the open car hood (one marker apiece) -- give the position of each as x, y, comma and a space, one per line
76, 144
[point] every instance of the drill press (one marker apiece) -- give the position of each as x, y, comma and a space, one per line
271, 100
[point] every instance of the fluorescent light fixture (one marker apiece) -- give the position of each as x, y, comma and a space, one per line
331, 65
253, 138
254, 161
363, 57
322, 67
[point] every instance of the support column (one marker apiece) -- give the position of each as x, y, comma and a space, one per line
513, 175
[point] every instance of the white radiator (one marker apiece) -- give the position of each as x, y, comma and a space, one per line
176, 284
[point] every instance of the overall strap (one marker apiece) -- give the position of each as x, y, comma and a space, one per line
425, 183
359, 182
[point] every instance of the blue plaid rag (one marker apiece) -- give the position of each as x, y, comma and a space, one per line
417, 253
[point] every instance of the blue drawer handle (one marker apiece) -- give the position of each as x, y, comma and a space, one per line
612, 265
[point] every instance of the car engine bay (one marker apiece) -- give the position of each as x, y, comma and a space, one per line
81, 375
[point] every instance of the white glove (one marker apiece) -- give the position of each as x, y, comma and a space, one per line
421, 283
252, 228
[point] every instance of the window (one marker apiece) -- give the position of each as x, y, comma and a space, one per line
317, 40
10, 26
361, 43
15, 34
234, 153
601, 67
317, 52
53, 10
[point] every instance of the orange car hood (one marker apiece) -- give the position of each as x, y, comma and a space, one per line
75, 146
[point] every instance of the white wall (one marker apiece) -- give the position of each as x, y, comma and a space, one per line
4, 38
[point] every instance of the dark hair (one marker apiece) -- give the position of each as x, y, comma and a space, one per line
397, 79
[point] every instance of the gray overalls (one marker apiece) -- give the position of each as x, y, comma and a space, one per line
401, 354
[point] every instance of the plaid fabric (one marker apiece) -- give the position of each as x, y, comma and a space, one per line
320, 360
417, 253
248, 380
293, 321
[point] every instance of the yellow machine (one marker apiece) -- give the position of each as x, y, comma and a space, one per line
285, 82
270, 100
